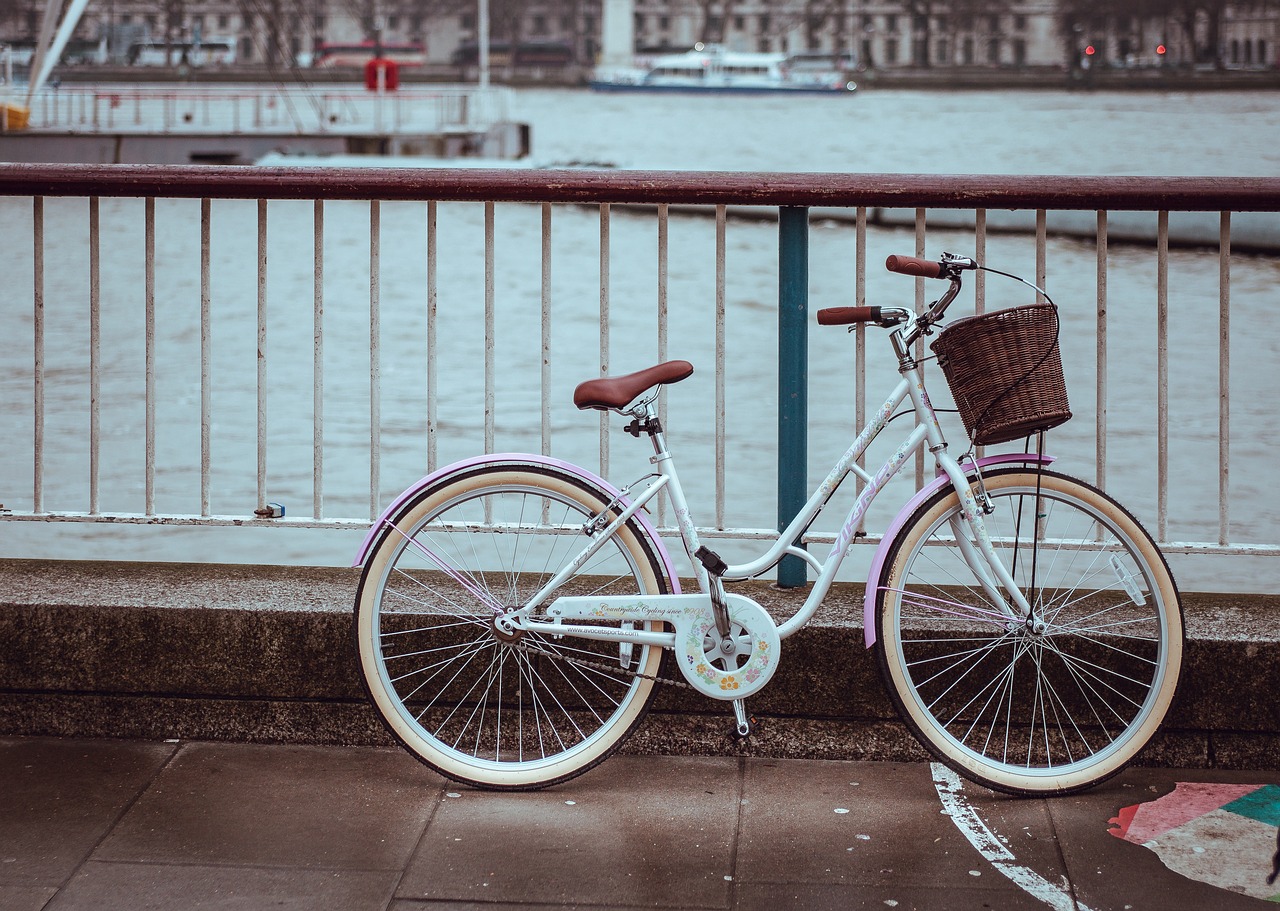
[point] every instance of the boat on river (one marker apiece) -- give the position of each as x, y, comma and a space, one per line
715, 69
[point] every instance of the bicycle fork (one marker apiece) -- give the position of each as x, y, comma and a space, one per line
974, 542
994, 577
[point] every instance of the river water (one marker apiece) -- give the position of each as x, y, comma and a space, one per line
915, 132
910, 132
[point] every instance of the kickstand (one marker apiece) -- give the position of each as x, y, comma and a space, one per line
744, 723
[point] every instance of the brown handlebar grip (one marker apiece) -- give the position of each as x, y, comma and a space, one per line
844, 316
910, 265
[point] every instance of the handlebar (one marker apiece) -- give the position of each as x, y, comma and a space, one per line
910, 265
845, 316
950, 266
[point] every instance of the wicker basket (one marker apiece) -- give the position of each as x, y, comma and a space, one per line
1005, 372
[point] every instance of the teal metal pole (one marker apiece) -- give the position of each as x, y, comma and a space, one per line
793, 378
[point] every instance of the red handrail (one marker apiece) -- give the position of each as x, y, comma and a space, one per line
980, 191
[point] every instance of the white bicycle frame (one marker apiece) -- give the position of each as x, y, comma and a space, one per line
988, 569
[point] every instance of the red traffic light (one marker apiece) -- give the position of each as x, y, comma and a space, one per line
1160, 49
1089, 51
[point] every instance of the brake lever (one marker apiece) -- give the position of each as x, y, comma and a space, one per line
953, 263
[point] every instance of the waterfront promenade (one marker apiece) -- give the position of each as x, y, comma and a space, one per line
129, 825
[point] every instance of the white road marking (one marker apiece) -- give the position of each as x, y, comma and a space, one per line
954, 804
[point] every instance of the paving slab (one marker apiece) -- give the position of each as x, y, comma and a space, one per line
100, 886
25, 898
59, 799
289, 806
634, 834
818, 897
837, 834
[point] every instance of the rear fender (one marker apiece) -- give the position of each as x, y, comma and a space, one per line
515, 460
901, 519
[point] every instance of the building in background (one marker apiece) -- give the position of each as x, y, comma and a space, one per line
881, 34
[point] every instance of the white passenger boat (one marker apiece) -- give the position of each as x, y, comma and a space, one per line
712, 68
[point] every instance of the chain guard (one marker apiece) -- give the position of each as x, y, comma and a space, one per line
737, 674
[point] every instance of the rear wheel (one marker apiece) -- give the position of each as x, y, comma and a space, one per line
1050, 704
480, 704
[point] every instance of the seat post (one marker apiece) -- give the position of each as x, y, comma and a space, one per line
644, 419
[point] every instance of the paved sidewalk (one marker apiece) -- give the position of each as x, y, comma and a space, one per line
103, 824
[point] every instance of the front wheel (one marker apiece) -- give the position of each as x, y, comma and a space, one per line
1047, 704
482, 704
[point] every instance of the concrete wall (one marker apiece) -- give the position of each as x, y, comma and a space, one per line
265, 654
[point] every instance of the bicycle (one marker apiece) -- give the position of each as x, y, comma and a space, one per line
514, 610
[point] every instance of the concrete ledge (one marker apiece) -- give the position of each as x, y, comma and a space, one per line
250, 653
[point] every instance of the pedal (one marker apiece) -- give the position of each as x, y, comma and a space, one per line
744, 724
711, 560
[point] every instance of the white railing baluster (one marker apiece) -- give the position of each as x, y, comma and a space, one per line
860, 341
604, 332
663, 315
980, 280
149, 292
1162, 376
317, 361
433, 392
262, 353
979, 254
37, 433
375, 356
1042, 246
206, 358
1101, 379
489, 353
95, 351
546, 329
1224, 378
920, 305
720, 366
545, 345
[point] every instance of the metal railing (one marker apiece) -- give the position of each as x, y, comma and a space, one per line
235, 110
608, 199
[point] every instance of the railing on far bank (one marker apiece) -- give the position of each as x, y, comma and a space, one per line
302, 109
790, 197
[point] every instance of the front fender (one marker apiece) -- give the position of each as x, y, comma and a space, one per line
512, 460
891, 533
